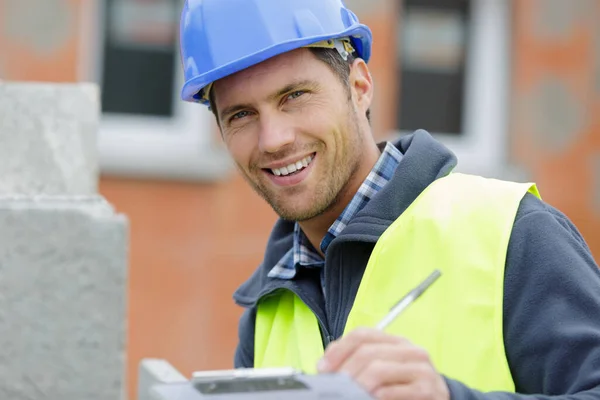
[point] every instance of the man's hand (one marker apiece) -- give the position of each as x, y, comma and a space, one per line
388, 367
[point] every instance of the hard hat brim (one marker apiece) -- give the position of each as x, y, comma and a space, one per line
359, 33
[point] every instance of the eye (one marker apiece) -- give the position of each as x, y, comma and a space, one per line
296, 94
240, 114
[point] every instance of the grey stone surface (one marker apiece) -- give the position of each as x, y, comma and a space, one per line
62, 298
48, 138
153, 372
557, 117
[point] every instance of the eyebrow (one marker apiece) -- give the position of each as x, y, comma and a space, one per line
304, 83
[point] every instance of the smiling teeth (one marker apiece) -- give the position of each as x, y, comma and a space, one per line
297, 166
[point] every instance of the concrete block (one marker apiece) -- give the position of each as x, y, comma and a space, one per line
155, 371
63, 265
48, 141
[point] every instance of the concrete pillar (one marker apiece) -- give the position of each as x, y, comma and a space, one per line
48, 139
63, 250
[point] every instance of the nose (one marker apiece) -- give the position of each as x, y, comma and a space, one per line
276, 132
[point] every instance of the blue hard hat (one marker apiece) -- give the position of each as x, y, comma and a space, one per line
221, 37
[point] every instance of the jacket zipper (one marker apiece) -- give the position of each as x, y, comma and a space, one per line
334, 315
339, 309
338, 322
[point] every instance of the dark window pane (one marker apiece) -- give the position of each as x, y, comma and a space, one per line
433, 38
138, 74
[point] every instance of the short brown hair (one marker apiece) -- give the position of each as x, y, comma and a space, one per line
331, 57
338, 65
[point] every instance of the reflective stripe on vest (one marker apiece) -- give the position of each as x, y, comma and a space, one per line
460, 224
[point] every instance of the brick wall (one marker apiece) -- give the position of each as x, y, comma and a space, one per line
555, 130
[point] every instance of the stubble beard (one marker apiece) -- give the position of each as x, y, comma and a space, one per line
328, 191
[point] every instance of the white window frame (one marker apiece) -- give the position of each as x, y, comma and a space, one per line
180, 147
482, 148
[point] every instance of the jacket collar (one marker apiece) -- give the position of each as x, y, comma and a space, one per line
424, 161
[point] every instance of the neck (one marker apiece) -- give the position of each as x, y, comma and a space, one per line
316, 228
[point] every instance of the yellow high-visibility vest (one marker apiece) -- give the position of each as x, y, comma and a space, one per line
461, 224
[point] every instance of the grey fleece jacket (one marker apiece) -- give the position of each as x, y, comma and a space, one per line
552, 284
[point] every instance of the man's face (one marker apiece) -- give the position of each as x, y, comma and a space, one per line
293, 129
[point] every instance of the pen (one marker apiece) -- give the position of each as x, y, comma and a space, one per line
408, 299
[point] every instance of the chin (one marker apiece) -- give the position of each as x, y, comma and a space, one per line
292, 213
299, 213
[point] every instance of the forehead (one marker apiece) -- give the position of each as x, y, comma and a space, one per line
272, 74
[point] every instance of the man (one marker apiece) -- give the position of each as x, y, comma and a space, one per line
516, 310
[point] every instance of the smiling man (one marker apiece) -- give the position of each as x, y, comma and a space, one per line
299, 134
516, 311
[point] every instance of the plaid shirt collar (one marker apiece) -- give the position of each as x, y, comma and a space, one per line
303, 253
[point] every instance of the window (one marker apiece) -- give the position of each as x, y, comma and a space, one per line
453, 79
130, 49
432, 54
138, 72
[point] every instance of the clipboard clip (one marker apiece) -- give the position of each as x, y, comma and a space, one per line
246, 380
244, 374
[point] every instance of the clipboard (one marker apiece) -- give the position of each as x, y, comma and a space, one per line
255, 384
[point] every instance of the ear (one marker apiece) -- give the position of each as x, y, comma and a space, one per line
361, 83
